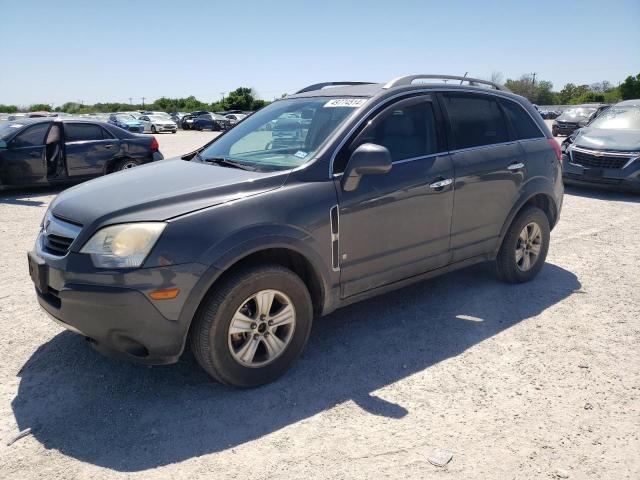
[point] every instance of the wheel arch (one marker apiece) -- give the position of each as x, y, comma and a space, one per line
286, 252
537, 198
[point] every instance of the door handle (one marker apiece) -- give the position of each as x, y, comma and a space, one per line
109, 146
516, 166
34, 154
441, 183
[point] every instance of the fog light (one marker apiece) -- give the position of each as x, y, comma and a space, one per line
167, 294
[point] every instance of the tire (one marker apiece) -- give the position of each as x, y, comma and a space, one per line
153, 129
215, 347
175, 131
125, 164
511, 263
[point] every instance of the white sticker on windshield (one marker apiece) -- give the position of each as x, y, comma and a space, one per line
300, 154
346, 102
16, 125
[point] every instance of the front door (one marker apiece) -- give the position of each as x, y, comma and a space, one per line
396, 225
23, 161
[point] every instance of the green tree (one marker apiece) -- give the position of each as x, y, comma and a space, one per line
37, 107
630, 88
8, 108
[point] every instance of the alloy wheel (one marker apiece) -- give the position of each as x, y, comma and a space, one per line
528, 246
262, 328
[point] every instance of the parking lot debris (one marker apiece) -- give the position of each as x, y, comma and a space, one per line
560, 473
440, 457
18, 436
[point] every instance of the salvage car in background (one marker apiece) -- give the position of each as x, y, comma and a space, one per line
158, 124
126, 122
607, 152
579, 116
46, 151
211, 121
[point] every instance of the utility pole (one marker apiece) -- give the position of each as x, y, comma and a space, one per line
222, 95
130, 100
143, 102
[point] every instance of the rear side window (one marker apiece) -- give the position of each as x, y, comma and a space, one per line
522, 122
31, 137
407, 129
77, 132
475, 120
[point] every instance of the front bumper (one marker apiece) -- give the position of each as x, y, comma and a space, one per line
113, 308
166, 128
564, 129
627, 178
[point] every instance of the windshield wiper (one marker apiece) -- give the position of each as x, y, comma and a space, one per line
225, 162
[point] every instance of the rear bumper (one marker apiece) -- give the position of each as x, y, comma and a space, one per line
113, 309
627, 178
565, 130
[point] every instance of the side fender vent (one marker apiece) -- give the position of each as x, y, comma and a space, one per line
335, 232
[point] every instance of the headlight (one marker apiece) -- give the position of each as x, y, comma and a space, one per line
123, 246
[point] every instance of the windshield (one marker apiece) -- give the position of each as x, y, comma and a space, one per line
622, 118
579, 112
9, 128
126, 118
283, 135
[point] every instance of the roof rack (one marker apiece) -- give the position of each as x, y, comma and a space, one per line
409, 79
320, 86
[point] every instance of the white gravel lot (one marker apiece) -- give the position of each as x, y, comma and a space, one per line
540, 380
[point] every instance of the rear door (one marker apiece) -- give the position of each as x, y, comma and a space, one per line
88, 148
396, 225
488, 171
23, 161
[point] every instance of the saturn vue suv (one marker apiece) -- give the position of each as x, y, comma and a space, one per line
233, 249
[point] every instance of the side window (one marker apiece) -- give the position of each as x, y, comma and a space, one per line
522, 122
407, 129
475, 120
31, 137
78, 132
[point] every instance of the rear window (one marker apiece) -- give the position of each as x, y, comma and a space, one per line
475, 120
522, 122
78, 132
31, 137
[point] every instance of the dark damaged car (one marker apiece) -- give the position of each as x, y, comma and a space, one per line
607, 152
48, 151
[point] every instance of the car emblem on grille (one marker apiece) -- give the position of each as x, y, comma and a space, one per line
597, 154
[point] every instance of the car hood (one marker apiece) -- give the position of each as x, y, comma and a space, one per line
572, 118
159, 191
608, 139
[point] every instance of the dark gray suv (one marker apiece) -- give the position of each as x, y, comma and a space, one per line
236, 250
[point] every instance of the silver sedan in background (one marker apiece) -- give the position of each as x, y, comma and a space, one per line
158, 124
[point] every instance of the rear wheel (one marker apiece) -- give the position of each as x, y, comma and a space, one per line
253, 326
153, 129
126, 164
524, 248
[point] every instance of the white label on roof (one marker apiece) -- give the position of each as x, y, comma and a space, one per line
346, 102
16, 125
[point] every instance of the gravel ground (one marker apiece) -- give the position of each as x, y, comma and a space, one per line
531, 381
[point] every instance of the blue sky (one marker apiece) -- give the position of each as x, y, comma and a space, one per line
111, 50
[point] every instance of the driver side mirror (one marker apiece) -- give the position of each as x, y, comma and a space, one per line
367, 159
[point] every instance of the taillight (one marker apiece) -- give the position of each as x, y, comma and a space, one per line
154, 144
556, 148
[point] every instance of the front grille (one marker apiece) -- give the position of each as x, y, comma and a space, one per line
603, 160
58, 235
56, 244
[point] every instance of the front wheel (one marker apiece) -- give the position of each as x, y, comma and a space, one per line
524, 248
252, 327
153, 129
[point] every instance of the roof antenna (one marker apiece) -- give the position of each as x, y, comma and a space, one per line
465, 74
